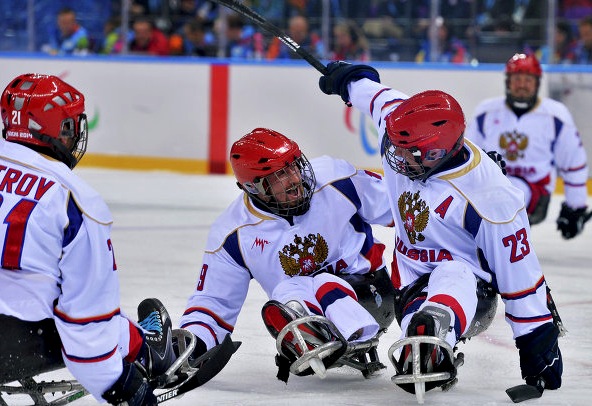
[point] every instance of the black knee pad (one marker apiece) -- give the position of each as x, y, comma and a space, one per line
486, 308
376, 294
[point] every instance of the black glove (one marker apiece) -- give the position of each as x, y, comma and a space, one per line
131, 387
499, 160
340, 73
540, 357
571, 221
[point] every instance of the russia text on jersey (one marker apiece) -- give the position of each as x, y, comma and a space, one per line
430, 255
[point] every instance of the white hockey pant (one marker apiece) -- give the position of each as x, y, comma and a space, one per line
328, 295
452, 287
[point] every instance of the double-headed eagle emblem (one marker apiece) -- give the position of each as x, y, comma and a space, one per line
513, 143
305, 255
415, 215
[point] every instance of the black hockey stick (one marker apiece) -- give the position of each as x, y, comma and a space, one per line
553, 309
209, 364
275, 31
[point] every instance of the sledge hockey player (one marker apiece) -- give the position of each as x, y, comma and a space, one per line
302, 230
59, 289
538, 139
462, 235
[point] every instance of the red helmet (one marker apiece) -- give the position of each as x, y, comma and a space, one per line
522, 63
429, 125
526, 64
262, 158
46, 114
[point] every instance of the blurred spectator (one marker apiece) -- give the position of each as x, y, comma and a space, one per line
563, 46
193, 40
382, 27
371, 9
377, 18
448, 48
298, 30
242, 41
147, 39
146, 7
181, 12
525, 16
274, 11
314, 8
458, 14
69, 37
493, 14
349, 43
112, 42
207, 11
278, 12
575, 9
583, 49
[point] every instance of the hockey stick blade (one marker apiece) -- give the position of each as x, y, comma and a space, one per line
524, 392
275, 31
210, 364
587, 216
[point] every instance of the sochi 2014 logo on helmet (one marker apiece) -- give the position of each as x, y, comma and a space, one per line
415, 214
305, 255
513, 143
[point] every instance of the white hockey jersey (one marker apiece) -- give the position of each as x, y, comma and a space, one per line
246, 243
58, 262
537, 146
470, 213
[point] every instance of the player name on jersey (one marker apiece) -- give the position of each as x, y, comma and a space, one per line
23, 183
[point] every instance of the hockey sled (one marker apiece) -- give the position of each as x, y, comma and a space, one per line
36, 351
359, 355
181, 377
417, 378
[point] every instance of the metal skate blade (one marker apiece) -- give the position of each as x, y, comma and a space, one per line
318, 367
311, 357
417, 378
315, 355
420, 392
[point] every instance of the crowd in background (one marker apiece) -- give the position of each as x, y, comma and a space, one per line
462, 31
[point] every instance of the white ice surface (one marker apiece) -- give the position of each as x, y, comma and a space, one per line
160, 228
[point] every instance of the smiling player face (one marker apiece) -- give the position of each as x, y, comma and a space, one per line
286, 187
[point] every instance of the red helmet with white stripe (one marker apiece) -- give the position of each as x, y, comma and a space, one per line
423, 132
271, 168
522, 63
526, 65
46, 114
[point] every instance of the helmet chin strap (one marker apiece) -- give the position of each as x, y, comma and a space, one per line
60, 152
